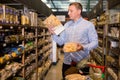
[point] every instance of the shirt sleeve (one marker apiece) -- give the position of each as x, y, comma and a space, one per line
93, 38
59, 39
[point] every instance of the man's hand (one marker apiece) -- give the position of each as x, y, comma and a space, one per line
51, 30
72, 47
79, 47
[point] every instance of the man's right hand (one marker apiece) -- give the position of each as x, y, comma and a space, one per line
51, 30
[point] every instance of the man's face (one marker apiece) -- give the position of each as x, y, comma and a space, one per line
73, 12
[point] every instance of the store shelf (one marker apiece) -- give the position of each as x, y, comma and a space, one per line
100, 32
97, 58
97, 10
114, 25
98, 53
113, 36
15, 31
115, 51
10, 70
30, 47
29, 59
113, 3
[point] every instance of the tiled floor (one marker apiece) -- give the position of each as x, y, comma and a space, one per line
55, 72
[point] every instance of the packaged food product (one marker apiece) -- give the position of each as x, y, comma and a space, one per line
14, 54
75, 77
7, 57
1, 60
24, 20
33, 18
70, 47
11, 14
111, 72
54, 22
1, 13
40, 22
110, 59
6, 11
15, 16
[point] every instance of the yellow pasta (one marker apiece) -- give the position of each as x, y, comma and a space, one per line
70, 47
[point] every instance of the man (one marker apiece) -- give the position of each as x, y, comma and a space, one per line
79, 31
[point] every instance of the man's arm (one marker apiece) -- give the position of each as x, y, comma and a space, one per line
93, 39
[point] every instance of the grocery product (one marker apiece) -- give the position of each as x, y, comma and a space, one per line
1, 13
7, 57
52, 21
11, 15
24, 20
1, 60
111, 72
6, 13
33, 18
15, 16
75, 77
70, 47
14, 54
40, 22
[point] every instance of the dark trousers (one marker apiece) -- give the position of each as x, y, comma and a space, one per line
65, 67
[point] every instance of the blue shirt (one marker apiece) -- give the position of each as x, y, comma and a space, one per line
80, 31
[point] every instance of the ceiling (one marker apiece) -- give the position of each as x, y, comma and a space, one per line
62, 5
32, 5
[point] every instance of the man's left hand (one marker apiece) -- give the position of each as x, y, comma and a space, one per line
79, 47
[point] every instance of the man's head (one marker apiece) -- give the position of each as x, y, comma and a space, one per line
75, 10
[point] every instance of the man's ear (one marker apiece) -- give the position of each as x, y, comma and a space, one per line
79, 11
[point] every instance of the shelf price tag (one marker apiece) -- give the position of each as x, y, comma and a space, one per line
4, 44
11, 27
0, 27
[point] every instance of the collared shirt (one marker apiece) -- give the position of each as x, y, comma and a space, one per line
80, 31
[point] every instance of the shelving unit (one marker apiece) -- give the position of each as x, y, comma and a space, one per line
112, 62
32, 55
99, 20
23, 49
112, 54
99, 52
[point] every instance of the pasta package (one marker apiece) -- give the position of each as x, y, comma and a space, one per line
70, 47
1, 13
54, 22
75, 77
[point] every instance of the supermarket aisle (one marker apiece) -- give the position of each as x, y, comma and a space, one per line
55, 72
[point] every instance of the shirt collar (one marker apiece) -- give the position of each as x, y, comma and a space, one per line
79, 20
